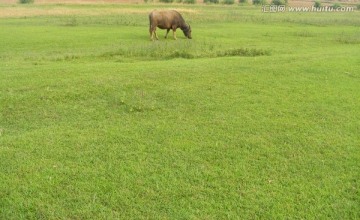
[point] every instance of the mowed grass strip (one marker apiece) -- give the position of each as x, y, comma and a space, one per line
97, 123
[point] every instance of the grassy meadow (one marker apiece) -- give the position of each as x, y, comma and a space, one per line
256, 117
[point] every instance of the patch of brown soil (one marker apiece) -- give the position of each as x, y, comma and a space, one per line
59, 10
76, 1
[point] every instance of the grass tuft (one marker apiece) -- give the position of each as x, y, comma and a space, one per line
181, 54
349, 39
244, 52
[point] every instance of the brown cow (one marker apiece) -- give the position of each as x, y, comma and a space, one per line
168, 19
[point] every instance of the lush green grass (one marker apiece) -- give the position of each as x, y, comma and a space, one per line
257, 117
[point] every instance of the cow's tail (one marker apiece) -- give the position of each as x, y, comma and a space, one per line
150, 20
150, 26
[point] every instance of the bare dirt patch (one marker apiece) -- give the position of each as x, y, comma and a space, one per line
29, 12
64, 10
74, 1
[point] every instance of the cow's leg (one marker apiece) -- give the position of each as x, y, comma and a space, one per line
156, 35
151, 34
167, 32
174, 33
152, 30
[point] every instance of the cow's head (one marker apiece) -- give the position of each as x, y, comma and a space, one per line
187, 31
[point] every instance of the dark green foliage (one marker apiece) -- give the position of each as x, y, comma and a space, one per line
166, 1
186, 1
336, 5
211, 1
279, 2
189, 1
317, 4
26, 1
228, 2
259, 2
243, 1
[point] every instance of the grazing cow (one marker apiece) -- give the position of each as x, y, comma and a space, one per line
168, 19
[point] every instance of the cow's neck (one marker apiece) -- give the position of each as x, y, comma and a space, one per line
184, 26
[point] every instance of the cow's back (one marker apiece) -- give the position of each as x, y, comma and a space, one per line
165, 19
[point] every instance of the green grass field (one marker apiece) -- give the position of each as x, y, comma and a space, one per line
256, 117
